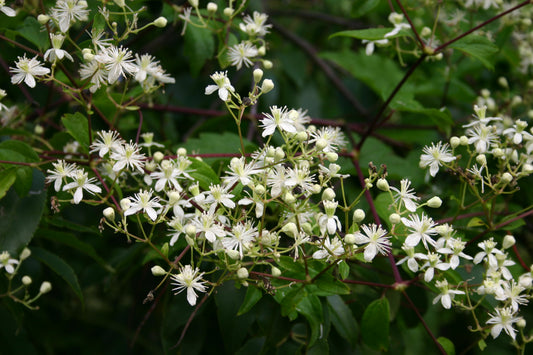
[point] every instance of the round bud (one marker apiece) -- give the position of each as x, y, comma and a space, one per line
426, 31
242, 273
45, 287
125, 204
503, 82
321, 143
194, 3
267, 86
258, 75
328, 194
267, 64
521, 323
507, 178
158, 271
38, 130
275, 271
349, 239
109, 213
280, 154
289, 198
190, 230
43, 19
508, 241
259, 189
233, 254
182, 152
88, 57
290, 229
228, 12
158, 156
315, 189
498, 152
358, 215
455, 141
435, 202
332, 156
481, 159
25, 254
26, 280
160, 22
307, 228
464, 140
150, 165
120, 3
212, 7
301, 136
395, 218
261, 51
382, 184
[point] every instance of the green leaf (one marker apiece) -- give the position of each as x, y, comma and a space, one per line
7, 178
199, 47
203, 173
371, 34
253, 295
343, 319
331, 285
447, 345
209, 142
479, 47
291, 299
363, 7
60, 267
344, 269
17, 151
19, 216
375, 325
475, 222
78, 127
31, 30
482, 345
311, 308
74, 242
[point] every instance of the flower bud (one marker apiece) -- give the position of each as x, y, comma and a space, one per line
368, 184
395, 218
194, 189
109, 213
463, 140
150, 166
290, 229
228, 12
212, 7
358, 215
25, 254
88, 57
181, 152
26, 280
158, 156
507, 178
332, 157
160, 22
328, 194
267, 86
194, 3
503, 82
38, 129
521, 323
455, 141
321, 144
426, 31
349, 239
158, 271
382, 184
233, 254
434, 202
125, 204
301, 136
45, 287
275, 271
508, 241
258, 75
190, 230
267, 64
279, 154
498, 152
259, 189
164, 249
307, 228
481, 159
120, 3
261, 51
43, 19
316, 188
242, 273
289, 198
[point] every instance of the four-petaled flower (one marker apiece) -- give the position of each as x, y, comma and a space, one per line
223, 85
26, 70
190, 280
376, 241
435, 156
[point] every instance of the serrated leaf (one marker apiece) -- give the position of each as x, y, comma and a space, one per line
60, 267
375, 325
253, 295
343, 319
7, 178
78, 127
199, 47
447, 345
371, 34
479, 47
19, 216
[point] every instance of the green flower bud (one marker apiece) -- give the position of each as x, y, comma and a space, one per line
158, 271
267, 86
242, 273
258, 75
212, 7
358, 215
45, 287
382, 184
267, 64
109, 213
349, 239
160, 22
508, 241
328, 194
395, 218
455, 141
332, 157
275, 271
507, 178
26, 280
228, 12
158, 156
43, 19
190, 231
435, 202
25, 254
233, 254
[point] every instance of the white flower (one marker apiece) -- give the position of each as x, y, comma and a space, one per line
328, 139
26, 70
406, 195
94, 71
118, 62
328, 221
127, 156
66, 12
411, 258
242, 53
81, 182
60, 172
330, 249
240, 172
376, 241
7, 262
56, 52
420, 229
434, 157
370, 45
279, 118
488, 254
517, 132
511, 292
207, 224
223, 85
189, 279
107, 141
167, 175
300, 176
143, 201
482, 137
6, 9
219, 195
240, 238
455, 248
446, 295
148, 66
433, 262
503, 319
255, 26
